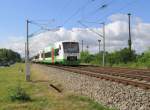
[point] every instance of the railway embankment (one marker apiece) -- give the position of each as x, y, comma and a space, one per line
112, 94
18, 94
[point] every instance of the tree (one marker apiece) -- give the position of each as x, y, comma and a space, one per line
122, 56
127, 56
144, 59
86, 57
7, 55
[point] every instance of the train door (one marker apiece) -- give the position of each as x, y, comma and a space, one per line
52, 54
43, 55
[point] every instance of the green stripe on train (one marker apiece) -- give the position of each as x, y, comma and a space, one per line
61, 61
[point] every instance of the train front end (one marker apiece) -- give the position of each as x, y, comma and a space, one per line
71, 53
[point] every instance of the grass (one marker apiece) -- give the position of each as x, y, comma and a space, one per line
42, 98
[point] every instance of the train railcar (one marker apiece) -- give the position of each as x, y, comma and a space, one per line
35, 59
64, 52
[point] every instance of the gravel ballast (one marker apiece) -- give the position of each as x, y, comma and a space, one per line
108, 93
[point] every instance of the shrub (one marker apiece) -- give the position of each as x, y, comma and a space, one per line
86, 57
19, 94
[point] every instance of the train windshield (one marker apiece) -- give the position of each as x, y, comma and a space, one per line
71, 47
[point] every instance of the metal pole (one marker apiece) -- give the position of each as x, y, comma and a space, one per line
103, 44
103, 36
87, 47
82, 45
129, 41
99, 45
27, 53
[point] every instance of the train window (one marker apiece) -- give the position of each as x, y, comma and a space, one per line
71, 47
48, 54
36, 57
56, 52
43, 55
59, 47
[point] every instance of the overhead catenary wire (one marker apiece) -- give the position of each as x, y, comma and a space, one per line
42, 28
90, 29
65, 6
83, 11
101, 7
77, 11
43, 21
118, 10
101, 35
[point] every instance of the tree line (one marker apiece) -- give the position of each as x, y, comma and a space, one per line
9, 56
123, 57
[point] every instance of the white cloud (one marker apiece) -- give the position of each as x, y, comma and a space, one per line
118, 17
116, 36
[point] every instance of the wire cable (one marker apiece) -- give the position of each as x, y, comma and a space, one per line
102, 7
65, 5
90, 29
76, 12
120, 9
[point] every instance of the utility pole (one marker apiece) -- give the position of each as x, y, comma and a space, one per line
87, 48
82, 45
103, 36
27, 46
99, 44
129, 41
103, 44
27, 52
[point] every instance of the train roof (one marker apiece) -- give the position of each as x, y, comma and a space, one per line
56, 43
67, 41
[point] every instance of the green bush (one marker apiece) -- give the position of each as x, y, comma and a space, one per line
123, 58
7, 55
97, 59
19, 94
144, 59
86, 57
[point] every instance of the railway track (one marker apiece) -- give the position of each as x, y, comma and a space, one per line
134, 74
135, 77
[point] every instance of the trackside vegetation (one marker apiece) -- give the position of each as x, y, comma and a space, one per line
17, 94
121, 58
8, 56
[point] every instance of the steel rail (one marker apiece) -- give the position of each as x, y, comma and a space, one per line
122, 80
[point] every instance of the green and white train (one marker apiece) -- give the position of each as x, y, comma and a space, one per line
63, 52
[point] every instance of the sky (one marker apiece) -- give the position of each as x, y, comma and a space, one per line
67, 13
